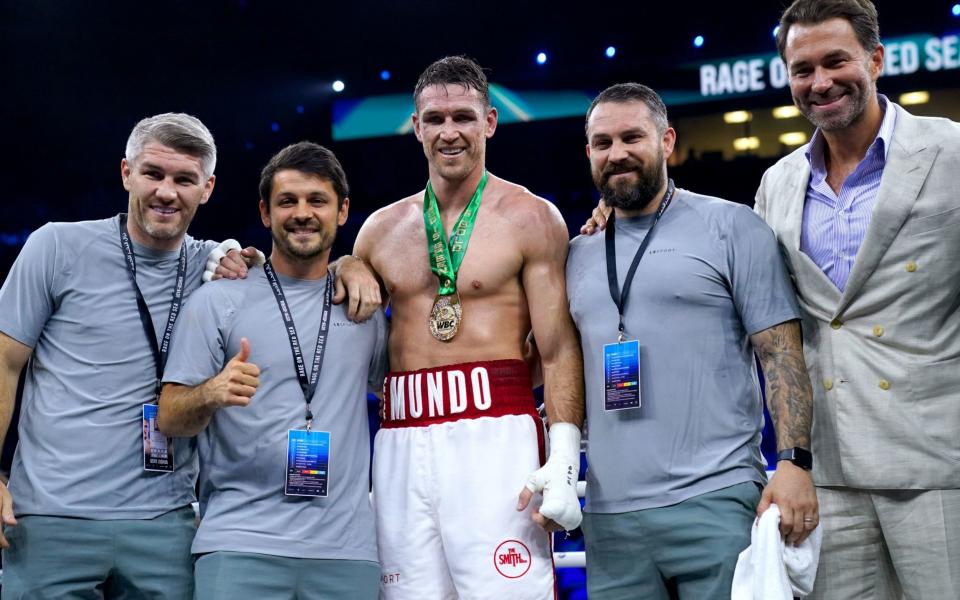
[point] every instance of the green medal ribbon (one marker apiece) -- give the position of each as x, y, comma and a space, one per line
445, 258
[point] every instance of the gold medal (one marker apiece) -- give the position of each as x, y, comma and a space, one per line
445, 317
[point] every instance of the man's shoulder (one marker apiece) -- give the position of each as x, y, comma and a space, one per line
712, 207
227, 291
791, 162
518, 196
524, 208
584, 243
723, 218
71, 240
925, 129
199, 247
396, 212
78, 232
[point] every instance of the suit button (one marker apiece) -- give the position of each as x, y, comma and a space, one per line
836, 324
877, 330
828, 384
884, 384
911, 267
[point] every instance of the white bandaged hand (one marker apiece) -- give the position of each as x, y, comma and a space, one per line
557, 480
217, 254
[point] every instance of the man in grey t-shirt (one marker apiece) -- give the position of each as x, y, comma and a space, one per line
82, 515
675, 467
276, 520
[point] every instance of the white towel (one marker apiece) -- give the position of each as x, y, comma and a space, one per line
769, 569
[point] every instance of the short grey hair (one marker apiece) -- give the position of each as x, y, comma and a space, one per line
182, 132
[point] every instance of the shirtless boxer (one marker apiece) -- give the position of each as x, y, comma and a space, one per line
460, 433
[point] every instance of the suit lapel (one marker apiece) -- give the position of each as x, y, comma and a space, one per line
908, 163
812, 283
797, 194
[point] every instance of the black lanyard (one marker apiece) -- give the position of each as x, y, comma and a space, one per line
620, 297
159, 351
307, 384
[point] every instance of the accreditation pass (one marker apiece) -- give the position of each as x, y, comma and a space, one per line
308, 463
621, 375
157, 448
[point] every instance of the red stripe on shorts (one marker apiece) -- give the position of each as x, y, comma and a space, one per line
452, 392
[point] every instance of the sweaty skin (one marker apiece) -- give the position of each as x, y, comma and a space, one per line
496, 319
512, 277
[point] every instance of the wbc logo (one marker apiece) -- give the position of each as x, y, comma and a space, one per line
512, 559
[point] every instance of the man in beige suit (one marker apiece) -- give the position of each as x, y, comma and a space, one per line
868, 219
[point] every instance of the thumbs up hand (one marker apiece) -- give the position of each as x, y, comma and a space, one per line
237, 382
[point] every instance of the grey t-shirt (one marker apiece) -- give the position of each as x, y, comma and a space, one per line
711, 276
243, 451
69, 297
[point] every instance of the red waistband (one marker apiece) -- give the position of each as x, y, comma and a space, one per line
452, 392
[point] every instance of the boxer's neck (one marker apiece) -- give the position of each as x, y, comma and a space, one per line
455, 194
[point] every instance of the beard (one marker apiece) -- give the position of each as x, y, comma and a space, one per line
632, 196
858, 96
286, 243
143, 218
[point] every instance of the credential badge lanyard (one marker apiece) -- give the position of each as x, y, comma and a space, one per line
160, 347
620, 297
308, 383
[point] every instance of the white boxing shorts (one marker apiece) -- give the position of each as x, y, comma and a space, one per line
453, 453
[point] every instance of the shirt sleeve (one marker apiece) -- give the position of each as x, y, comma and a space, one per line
198, 348
28, 296
760, 284
197, 253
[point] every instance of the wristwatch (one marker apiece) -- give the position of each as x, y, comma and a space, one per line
798, 456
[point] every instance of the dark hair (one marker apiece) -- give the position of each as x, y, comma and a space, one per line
459, 70
861, 14
634, 92
310, 158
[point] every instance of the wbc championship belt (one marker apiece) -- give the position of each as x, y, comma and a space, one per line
446, 315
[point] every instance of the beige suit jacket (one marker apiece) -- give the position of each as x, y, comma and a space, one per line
884, 355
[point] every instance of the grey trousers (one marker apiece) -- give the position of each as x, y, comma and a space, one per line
81, 559
234, 575
888, 544
688, 550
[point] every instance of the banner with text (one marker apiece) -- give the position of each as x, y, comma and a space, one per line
759, 73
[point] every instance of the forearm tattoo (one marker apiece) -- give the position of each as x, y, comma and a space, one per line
789, 394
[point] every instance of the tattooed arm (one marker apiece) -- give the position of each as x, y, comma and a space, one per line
790, 402
789, 395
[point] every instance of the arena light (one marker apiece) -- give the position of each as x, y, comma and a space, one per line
786, 112
955, 10
385, 75
698, 41
737, 116
610, 52
542, 58
338, 86
793, 138
746, 143
776, 30
914, 98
